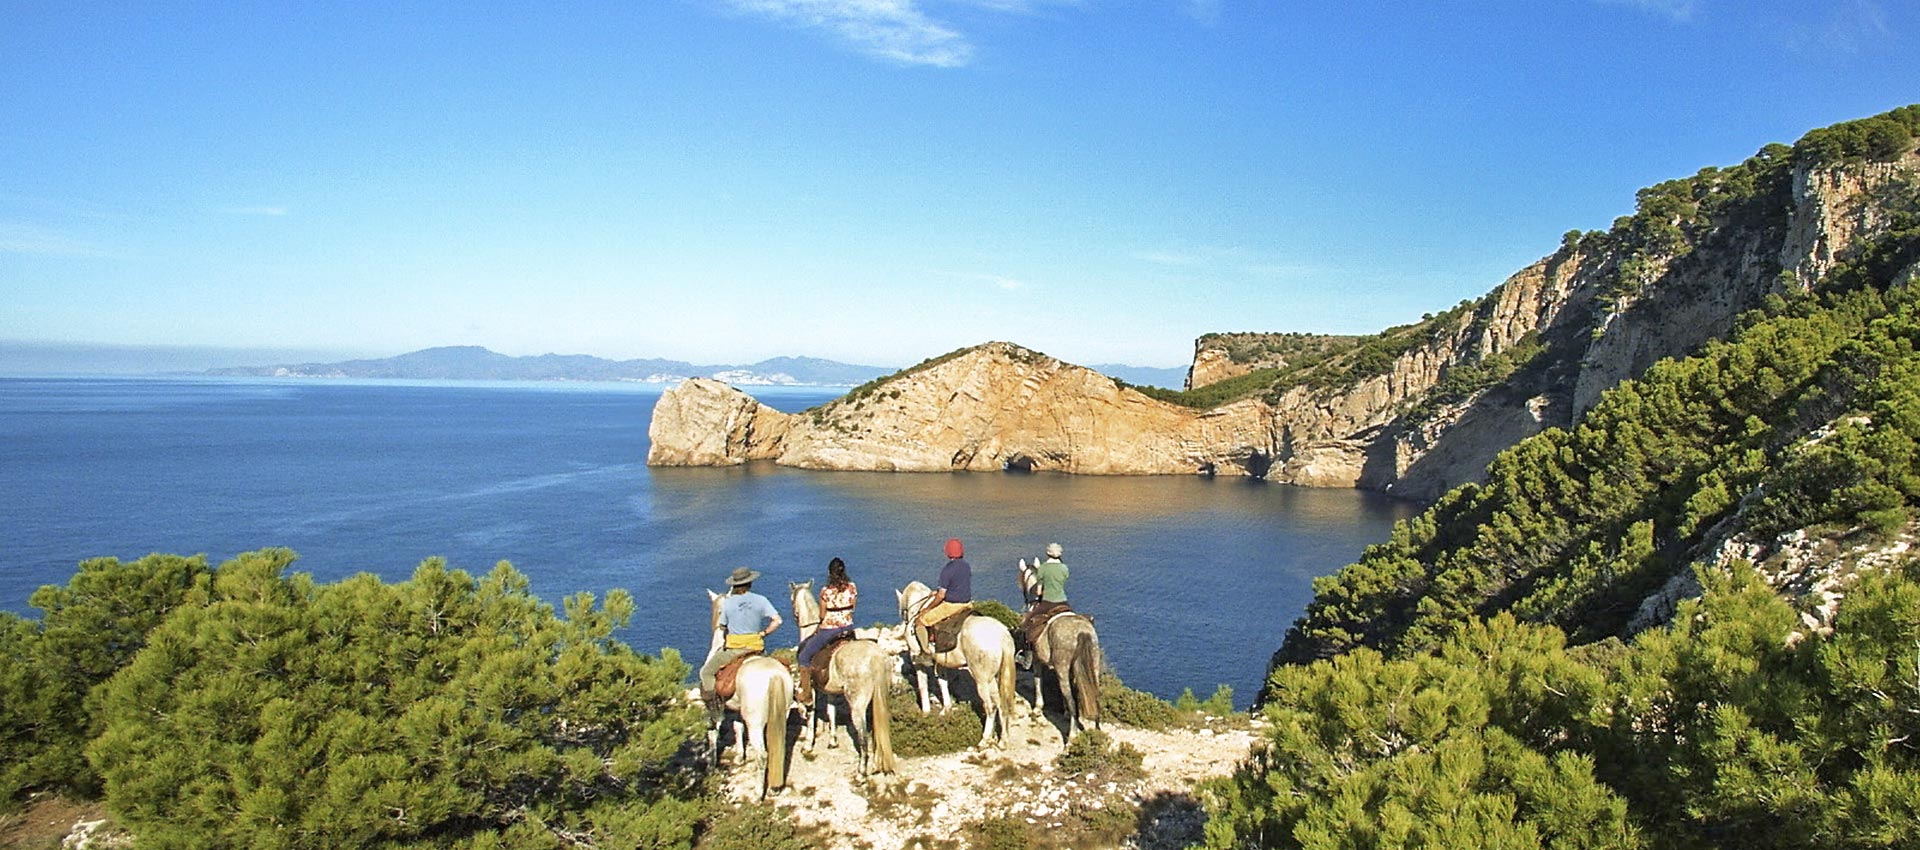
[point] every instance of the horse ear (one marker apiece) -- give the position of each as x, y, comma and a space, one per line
900, 595
712, 596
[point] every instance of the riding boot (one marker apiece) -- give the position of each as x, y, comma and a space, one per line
923, 649
716, 708
803, 679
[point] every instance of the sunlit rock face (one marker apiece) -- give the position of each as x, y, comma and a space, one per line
1578, 322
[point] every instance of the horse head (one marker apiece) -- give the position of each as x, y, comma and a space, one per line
1029, 581
806, 608
912, 599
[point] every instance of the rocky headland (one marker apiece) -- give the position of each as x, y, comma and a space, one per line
1413, 410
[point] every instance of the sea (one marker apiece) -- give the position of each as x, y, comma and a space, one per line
1192, 581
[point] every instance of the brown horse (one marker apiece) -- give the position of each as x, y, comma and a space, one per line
763, 694
985, 650
1071, 649
858, 671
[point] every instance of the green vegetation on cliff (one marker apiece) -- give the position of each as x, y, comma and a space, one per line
1575, 527
1721, 732
1471, 681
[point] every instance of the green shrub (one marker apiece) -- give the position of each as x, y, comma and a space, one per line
90, 628
1218, 705
1138, 709
999, 833
1095, 752
998, 610
916, 734
757, 826
445, 709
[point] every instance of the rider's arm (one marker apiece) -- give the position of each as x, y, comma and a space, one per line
939, 596
772, 627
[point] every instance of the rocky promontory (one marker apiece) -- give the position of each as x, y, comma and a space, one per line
990, 407
1414, 410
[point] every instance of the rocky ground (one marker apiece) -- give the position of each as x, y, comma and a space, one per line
932, 799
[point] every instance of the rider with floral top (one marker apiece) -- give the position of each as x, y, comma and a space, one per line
837, 599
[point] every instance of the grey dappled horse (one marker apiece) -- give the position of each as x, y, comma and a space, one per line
861, 672
1070, 647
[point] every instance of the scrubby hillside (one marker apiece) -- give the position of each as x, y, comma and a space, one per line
1689, 620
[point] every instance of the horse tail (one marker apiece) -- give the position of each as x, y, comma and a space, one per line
779, 702
1006, 688
882, 731
1086, 678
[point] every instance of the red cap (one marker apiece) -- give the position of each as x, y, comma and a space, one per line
954, 549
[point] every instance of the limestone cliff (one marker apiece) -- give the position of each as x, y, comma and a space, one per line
1413, 410
991, 407
704, 422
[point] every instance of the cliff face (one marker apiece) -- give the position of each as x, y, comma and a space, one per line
993, 407
704, 422
1413, 411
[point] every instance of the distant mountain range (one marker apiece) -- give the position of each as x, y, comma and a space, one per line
474, 363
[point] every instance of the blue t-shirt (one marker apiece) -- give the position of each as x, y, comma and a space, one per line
745, 613
957, 578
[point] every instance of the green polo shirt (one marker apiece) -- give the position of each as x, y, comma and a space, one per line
1052, 576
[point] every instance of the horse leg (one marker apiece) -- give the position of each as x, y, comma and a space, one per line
857, 728
1065, 676
713, 745
1039, 691
833, 724
920, 678
946, 695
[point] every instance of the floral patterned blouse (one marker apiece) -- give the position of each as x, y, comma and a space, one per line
836, 605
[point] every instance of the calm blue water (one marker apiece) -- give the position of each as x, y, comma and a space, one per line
1192, 581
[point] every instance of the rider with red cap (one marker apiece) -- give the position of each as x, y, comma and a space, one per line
954, 594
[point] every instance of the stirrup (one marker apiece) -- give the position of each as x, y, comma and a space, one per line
1024, 658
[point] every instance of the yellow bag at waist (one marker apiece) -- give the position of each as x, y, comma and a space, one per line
750, 641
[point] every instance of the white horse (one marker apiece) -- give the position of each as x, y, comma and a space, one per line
984, 649
860, 672
1069, 647
762, 696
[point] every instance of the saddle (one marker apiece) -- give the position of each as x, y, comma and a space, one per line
723, 681
816, 672
1036, 623
945, 634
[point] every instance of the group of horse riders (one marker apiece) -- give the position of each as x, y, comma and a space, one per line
748, 618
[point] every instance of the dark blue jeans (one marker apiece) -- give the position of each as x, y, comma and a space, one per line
812, 645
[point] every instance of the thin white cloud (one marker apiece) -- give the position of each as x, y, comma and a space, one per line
266, 211
1680, 11
1851, 27
17, 238
998, 281
1204, 11
895, 30
1168, 258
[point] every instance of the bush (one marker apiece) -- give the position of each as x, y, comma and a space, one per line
758, 826
999, 833
916, 734
91, 627
443, 710
1138, 709
1095, 752
1218, 705
998, 610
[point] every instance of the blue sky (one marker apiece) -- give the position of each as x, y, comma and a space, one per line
873, 181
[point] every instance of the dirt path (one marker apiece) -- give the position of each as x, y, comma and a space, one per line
929, 801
